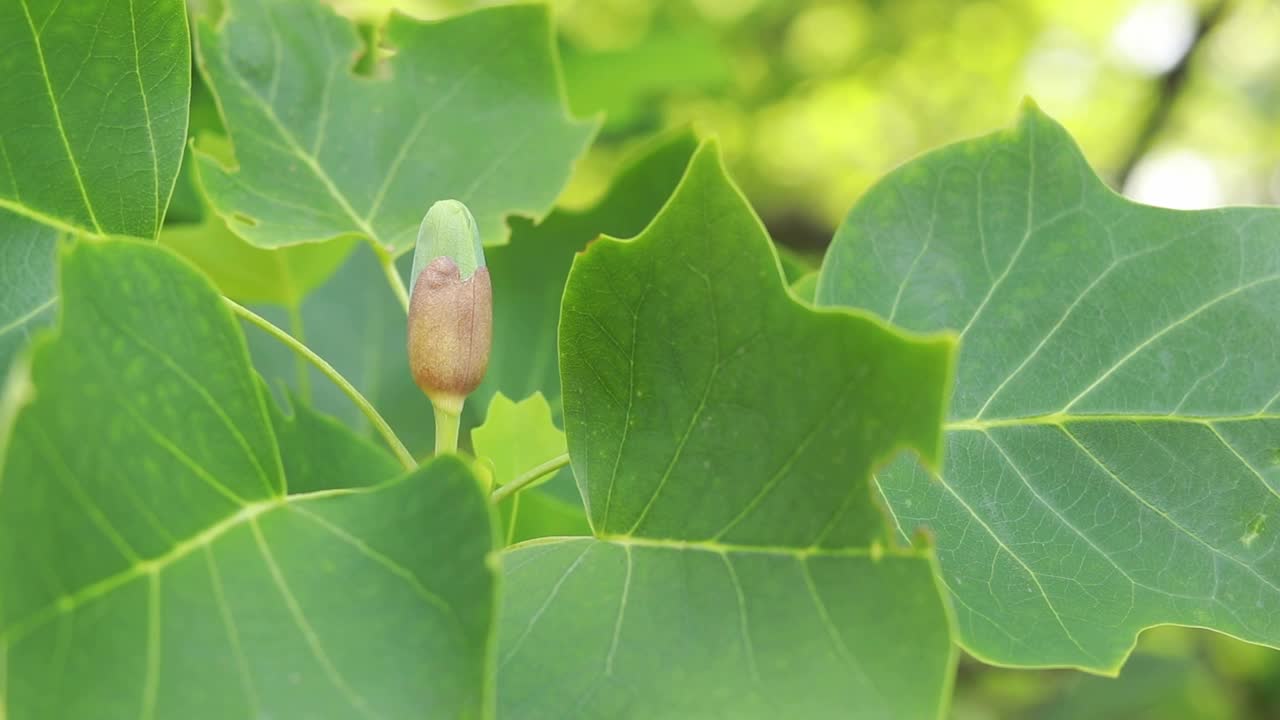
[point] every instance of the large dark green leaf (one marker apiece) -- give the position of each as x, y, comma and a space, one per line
95, 99
1111, 453
173, 547
94, 96
468, 108
723, 437
529, 274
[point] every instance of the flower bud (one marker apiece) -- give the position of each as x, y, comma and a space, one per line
450, 308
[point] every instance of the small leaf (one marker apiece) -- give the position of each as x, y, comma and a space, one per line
723, 435
517, 436
173, 547
467, 108
1116, 397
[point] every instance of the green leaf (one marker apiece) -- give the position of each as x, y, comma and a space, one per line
1110, 454
1150, 688
688, 59
517, 436
95, 112
529, 274
252, 274
242, 271
723, 436
468, 108
542, 512
806, 286
28, 292
168, 549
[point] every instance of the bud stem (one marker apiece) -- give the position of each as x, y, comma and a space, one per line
447, 423
388, 262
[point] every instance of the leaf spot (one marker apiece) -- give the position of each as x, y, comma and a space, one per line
1253, 530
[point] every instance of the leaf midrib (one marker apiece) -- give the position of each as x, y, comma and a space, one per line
57, 116
1059, 419
71, 601
875, 552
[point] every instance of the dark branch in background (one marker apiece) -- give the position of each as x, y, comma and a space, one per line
1171, 85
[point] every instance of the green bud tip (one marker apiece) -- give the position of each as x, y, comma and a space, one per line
450, 308
448, 230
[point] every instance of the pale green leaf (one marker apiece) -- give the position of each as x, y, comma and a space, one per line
544, 512
172, 547
95, 97
28, 294
806, 286
468, 108
723, 436
517, 436
251, 274
1111, 457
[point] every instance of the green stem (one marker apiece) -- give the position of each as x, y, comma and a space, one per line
379, 424
388, 262
524, 480
296, 328
446, 429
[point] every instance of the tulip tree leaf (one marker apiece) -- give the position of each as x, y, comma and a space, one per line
168, 547
1111, 449
95, 98
529, 273
28, 296
723, 435
468, 108
517, 436
243, 271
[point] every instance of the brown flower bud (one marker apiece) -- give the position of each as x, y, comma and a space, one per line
450, 331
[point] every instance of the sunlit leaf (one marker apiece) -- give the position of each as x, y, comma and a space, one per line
1111, 457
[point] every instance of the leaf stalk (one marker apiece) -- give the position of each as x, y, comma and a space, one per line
362, 403
529, 477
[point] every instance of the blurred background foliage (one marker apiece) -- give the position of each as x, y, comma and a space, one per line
1175, 102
